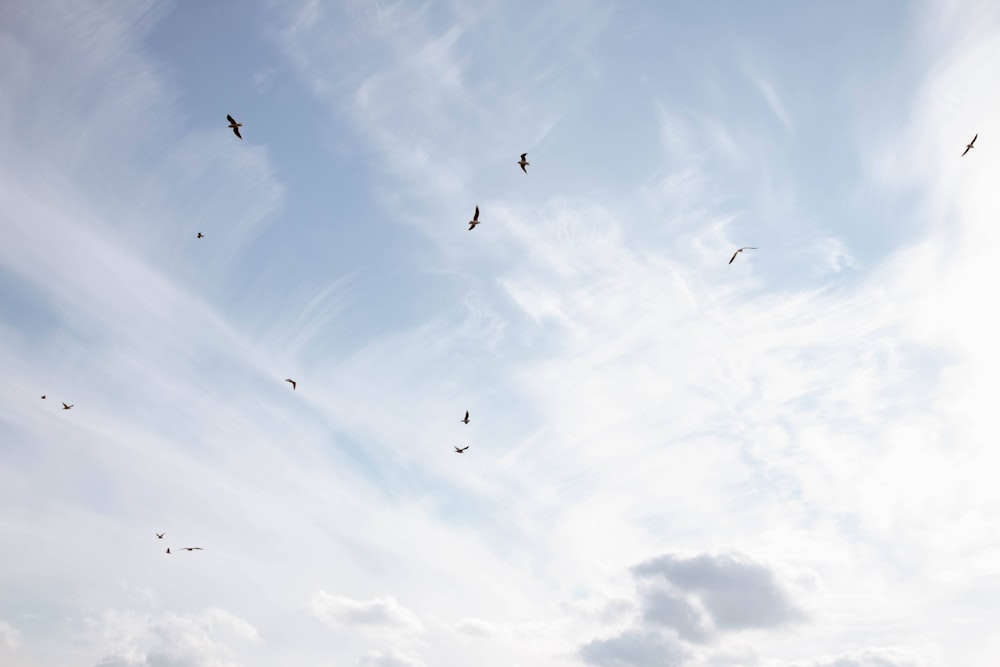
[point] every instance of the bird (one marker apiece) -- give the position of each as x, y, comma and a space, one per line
159, 536
200, 235
67, 407
192, 549
235, 126
292, 382
43, 396
466, 420
168, 549
739, 251
524, 163
460, 450
969, 145
475, 220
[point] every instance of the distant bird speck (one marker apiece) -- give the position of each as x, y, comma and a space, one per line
292, 382
200, 235
524, 162
475, 220
67, 407
43, 396
192, 548
234, 126
466, 420
739, 251
970, 145
168, 549
159, 536
459, 450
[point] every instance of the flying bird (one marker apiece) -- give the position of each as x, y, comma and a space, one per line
43, 396
475, 220
168, 549
192, 549
739, 251
234, 126
159, 536
292, 382
67, 407
466, 420
524, 162
200, 235
460, 450
970, 145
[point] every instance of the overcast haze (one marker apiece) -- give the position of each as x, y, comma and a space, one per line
787, 461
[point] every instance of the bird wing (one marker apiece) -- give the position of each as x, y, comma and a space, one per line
236, 131
734, 256
965, 151
230, 118
466, 414
974, 139
523, 169
476, 216
524, 155
65, 406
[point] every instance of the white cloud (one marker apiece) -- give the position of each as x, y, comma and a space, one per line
376, 613
10, 637
393, 659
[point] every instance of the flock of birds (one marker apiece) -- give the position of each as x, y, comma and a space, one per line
523, 163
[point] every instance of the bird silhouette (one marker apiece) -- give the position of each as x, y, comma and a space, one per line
43, 396
970, 145
292, 382
159, 536
234, 126
524, 163
466, 420
200, 235
67, 407
192, 549
168, 549
460, 450
739, 251
475, 220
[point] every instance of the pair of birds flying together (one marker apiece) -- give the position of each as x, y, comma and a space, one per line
465, 420
475, 216
65, 407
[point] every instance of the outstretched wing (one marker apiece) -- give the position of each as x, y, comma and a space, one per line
236, 131
734, 256
476, 215
230, 118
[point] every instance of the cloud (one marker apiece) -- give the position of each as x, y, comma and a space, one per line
737, 592
393, 659
376, 613
869, 657
634, 648
10, 637
130, 639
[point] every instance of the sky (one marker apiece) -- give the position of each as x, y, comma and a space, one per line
786, 461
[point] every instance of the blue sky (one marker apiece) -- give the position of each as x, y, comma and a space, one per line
673, 461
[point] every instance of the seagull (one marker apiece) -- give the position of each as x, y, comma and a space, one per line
200, 235
459, 451
168, 549
524, 163
159, 536
67, 407
970, 145
43, 396
292, 382
235, 126
739, 251
466, 420
475, 220
192, 549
